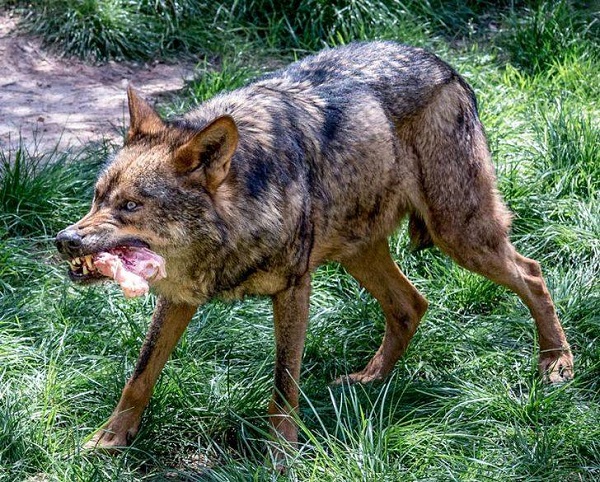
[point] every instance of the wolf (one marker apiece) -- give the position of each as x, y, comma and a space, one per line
318, 162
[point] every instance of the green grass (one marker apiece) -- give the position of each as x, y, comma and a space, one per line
534, 33
545, 33
464, 403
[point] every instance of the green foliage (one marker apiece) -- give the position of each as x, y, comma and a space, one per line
464, 403
547, 32
569, 160
313, 24
38, 191
209, 81
103, 29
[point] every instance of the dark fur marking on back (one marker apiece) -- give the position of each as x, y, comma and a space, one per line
258, 177
460, 119
317, 76
334, 116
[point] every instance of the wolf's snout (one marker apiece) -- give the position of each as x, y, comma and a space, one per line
68, 241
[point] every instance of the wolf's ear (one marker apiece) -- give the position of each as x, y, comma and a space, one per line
210, 149
143, 119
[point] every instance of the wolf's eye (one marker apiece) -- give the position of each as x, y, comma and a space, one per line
131, 206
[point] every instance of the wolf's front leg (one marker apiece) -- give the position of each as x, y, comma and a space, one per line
168, 323
290, 311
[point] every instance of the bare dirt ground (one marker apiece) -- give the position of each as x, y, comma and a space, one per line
51, 101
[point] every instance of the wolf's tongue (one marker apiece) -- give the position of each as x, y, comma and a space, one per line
132, 268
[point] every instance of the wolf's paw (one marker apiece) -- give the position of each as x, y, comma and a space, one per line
116, 434
360, 377
557, 370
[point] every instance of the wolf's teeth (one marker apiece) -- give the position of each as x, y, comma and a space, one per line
85, 270
77, 261
89, 262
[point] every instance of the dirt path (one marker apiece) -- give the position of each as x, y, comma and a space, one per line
50, 101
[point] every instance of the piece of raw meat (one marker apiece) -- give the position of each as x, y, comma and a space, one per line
132, 268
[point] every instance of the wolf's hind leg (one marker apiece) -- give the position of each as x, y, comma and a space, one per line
402, 305
467, 219
498, 260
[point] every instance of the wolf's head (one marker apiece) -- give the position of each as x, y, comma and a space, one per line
161, 192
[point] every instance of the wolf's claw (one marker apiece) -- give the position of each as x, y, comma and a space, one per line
557, 370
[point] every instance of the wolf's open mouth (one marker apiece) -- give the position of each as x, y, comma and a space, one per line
130, 266
83, 268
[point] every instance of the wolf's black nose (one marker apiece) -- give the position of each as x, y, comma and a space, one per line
68, 241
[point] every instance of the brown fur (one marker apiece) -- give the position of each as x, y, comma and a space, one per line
251, 191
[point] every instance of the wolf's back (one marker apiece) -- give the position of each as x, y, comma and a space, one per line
403, 78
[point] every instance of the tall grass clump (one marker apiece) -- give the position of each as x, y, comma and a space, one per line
122, 29
568, 158
313, 24
38, 191
104, 29
543, 33
210, 80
